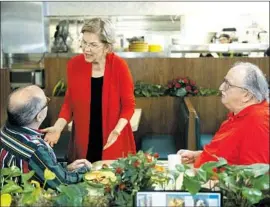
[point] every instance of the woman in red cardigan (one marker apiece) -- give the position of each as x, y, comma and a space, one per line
99, 99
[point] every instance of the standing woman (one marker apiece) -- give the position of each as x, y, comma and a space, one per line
99, 99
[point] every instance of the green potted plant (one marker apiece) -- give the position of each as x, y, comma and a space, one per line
29, 193
242, 186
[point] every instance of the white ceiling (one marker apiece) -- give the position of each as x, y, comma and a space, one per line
153, 8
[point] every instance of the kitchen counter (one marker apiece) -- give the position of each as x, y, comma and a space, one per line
185, 49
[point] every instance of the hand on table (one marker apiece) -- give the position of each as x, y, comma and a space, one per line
78, 164
187, 156
112, 139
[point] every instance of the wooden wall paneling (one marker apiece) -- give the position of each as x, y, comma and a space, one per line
211, 112
207, 72
55, 69
4, 93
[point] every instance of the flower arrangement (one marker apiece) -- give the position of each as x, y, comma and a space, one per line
182, 87
128, 175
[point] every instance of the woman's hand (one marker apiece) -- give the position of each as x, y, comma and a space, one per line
52, 135
78, 164
112, 139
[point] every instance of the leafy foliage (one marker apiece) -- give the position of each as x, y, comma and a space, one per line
208, 92
179, 87
149, 90
133, 173
115, 185
242, 185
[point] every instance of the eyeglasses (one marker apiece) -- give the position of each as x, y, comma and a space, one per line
47, 103
227, 86
92, 45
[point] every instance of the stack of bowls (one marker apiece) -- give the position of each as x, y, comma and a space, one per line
138, 46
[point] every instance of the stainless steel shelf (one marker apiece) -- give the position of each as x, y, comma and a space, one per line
234, 47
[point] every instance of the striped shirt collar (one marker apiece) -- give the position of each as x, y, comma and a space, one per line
24, 130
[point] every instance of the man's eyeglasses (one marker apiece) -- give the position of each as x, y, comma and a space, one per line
227, 86
47, 103
91, 45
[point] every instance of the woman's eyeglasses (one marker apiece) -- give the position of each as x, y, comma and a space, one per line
91, 45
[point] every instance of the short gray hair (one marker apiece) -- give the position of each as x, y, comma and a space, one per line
255, 81
25, 114
102, 27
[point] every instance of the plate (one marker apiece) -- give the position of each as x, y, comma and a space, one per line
98, 164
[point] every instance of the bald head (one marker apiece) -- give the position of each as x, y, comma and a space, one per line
24, 104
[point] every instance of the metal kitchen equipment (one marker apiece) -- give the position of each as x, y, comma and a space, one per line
23, 77
23, 27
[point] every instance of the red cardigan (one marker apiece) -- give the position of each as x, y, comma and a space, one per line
117, 102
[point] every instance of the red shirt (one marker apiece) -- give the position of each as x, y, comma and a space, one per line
242, 139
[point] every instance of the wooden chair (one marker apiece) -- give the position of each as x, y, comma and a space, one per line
195, 140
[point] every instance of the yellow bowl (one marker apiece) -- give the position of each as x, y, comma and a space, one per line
155, 48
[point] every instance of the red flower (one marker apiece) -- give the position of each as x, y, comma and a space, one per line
188, 88
119, 170
196, 91
185, 80
170, 85
178, 85
122, 186
136, 163
193, 83
219, 170
156, 155
174, 81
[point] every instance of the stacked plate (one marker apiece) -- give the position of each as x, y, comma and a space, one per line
138, 46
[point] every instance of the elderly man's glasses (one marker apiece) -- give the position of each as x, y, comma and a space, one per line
47, 103
227, 86
91, 45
